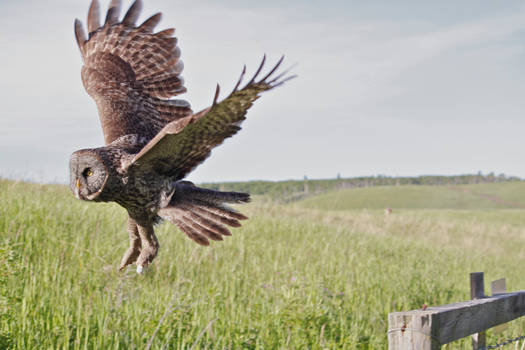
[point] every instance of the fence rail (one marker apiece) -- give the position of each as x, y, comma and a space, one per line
435, 326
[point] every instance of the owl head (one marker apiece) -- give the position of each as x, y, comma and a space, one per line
88, 174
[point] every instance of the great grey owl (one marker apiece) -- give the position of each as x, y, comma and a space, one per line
152, 141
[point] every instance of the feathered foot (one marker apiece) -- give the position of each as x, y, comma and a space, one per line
143, 245
150, 246
131, 255
202, 214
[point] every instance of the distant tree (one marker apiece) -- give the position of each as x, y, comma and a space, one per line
295, 189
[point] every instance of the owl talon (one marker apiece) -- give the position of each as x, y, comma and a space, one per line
135, 245
150, 246
146, 257
140, 269
129, 257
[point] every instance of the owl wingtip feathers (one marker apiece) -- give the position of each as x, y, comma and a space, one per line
94, 16
133, 13
80, 35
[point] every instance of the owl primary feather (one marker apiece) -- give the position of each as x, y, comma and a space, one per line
152, 141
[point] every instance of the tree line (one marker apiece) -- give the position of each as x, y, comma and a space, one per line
291, 190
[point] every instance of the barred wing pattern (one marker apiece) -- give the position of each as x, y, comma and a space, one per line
183, 144
131, 72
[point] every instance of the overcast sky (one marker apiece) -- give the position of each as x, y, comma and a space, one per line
383, 87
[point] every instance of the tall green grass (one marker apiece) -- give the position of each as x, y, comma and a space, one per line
290, 278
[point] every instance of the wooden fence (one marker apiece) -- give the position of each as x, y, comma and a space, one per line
429, 328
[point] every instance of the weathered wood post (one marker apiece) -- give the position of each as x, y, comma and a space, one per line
412, 330
477, 291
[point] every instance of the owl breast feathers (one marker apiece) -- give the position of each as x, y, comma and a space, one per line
153, 141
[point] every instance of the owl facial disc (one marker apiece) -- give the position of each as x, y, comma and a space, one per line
88, 175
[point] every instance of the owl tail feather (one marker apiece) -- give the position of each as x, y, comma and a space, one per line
202, 214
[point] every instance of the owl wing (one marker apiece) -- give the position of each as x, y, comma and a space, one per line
183, 144
131, 72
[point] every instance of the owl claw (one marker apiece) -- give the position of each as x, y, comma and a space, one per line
149, 248
130, 256
146, 257
140, 269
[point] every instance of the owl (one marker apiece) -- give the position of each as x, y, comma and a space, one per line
152, 142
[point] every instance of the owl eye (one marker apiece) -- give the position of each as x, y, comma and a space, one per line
87, 172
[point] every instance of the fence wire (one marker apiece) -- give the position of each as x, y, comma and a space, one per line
506, 342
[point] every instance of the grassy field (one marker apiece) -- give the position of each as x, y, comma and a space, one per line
482, 196
322, 274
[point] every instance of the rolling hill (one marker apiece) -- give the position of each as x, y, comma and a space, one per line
478, 196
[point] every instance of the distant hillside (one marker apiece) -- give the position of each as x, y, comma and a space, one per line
292, 190
476, 196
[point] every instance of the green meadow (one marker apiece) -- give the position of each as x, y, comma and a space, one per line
320, 273
503, 195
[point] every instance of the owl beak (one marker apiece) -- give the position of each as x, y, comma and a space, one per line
77, 189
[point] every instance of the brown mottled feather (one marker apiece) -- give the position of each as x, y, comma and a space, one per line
223, 219
166, 33
192, 233
93, 17
133, 14
177, 217
80, 34
182, 145
148, 25
113, 12
130, 72
202, 212
203, 220
202, 230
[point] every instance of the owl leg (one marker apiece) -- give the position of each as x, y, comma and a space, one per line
135, 245
150, 246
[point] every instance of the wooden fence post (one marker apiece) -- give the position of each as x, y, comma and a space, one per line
477, 291
411, 331
499, 287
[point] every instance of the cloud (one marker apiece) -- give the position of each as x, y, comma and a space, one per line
366, 82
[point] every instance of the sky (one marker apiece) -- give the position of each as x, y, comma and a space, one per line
400, 88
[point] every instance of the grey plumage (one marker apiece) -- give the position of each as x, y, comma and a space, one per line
153, 141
